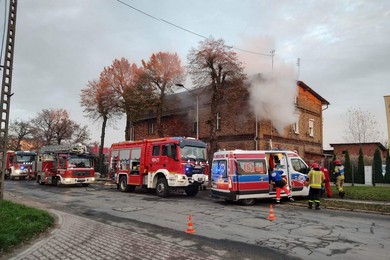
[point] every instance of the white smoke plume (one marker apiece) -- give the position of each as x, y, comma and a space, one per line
272, 96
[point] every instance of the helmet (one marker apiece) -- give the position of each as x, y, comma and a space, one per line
337, 162
315, 166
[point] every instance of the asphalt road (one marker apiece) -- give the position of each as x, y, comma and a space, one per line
232, 230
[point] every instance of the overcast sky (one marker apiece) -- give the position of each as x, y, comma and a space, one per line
343, 46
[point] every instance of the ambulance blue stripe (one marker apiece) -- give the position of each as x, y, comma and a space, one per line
250, 178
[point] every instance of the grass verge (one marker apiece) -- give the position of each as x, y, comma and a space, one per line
19, 223
359, 198
377, 193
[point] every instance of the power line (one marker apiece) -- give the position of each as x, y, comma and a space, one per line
189, 31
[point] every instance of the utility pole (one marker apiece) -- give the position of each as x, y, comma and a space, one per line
6, 90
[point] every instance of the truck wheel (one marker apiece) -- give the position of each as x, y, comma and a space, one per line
123, 187
162, 188
192, 190
58, 181
40, 181
247, 202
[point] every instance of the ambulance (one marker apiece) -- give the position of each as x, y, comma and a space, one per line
243, 175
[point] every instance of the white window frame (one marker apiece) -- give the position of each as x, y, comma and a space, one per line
150, 128
218, 123
296, 126
311, 127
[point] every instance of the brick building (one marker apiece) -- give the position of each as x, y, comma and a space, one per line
368, 149
237, 127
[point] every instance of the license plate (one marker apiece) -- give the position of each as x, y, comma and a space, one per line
80, 180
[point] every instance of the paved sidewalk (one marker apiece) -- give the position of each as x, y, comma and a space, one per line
81, 238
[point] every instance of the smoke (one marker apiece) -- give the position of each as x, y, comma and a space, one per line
272, 96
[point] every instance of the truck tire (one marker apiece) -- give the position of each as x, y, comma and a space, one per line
247, 202
123, 187
162, 188
192, 190
58, 181
39, 180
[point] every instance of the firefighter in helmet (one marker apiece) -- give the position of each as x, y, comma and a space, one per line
316, 182
338, 173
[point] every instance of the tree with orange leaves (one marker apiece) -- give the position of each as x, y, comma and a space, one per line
213, 65
124, 79
161, 73
99, 102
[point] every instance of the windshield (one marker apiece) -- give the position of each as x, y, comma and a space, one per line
25, 158
80, 162
192, 152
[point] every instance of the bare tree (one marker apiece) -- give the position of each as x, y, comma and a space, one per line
215, 66
361, 127
162, 72
80, 134
52, 126
18, 131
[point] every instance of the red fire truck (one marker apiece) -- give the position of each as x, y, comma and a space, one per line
162, 164
20, 165
241, 175
65, 165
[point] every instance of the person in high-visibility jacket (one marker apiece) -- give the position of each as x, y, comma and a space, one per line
339, 174
316, 181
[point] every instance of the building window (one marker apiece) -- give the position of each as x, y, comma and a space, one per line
311, 127
218, 126
296, 126
132, 137
150, 128
194, 124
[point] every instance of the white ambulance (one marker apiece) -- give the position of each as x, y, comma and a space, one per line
243, 175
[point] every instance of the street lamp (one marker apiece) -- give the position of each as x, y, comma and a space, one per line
197, 107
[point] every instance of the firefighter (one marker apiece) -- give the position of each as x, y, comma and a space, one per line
316, 182
280, 184
339, 175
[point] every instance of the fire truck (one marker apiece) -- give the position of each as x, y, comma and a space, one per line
242, 175
163, 164
20, 165
65, 165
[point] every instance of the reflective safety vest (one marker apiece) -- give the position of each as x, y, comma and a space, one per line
316, 178
339, 171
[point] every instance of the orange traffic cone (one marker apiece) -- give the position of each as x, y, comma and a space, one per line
271, 215
190, 229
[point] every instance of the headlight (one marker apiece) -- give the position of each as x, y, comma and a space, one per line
18, 171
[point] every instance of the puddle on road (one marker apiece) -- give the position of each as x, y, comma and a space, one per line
127, 209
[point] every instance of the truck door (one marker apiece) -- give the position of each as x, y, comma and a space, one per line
155, 160
252, 176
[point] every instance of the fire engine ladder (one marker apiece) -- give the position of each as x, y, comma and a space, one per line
6, 90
